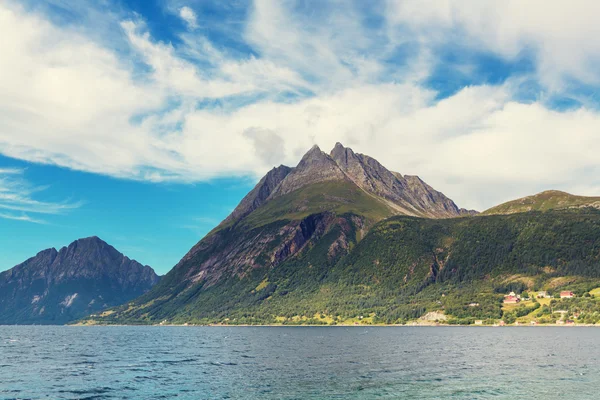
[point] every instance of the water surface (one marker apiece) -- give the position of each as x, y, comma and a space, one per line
39, 362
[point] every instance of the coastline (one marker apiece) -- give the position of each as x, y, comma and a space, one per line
337, 325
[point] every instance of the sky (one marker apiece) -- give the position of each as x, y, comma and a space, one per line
144, 122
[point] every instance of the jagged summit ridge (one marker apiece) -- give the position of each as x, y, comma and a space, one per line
315, 166
407, 195
368, 174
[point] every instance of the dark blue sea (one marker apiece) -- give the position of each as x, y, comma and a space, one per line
39, 362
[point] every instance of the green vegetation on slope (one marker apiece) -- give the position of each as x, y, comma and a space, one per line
548, 200
338, 197
403, 269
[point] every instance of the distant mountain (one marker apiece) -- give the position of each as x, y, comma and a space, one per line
324, 206
548, 200
56, 287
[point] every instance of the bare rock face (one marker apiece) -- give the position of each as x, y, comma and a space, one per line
228, 252
433, 203
409, 195
367, 172
60, 286
404, 195
259, 195
315, 167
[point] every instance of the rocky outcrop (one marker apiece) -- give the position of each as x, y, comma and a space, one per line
405, 195
314, 167
408, 194
259, 195
370, 175
433, 204
229, 253
60, 286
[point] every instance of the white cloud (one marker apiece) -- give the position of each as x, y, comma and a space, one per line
189, 16
22, 217
68, 101
335, 51
177, 76
17, 198
73, 101
478, 146
563, 35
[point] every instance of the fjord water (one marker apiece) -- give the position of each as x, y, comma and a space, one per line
38, 362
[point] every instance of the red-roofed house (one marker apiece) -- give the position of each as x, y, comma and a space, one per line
565, 294
511, 299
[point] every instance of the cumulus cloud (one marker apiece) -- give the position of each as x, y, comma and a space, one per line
268, 145
195, 111
562, 35
189, 16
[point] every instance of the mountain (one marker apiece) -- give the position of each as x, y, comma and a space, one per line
56, 287
359, 181
406, 268
341, 239
548, 200
323, 207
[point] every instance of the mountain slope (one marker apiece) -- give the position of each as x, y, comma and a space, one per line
548, 200
320, 209
408, 195
404, 268
56, 287
259, 195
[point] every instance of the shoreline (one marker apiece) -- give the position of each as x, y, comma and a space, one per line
335, 326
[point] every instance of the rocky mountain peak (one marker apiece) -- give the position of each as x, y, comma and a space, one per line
314, 167
92, 248
342, 155
314, 155
407, 195
91, 240
338, 148
295, 220
51, 252
58, 286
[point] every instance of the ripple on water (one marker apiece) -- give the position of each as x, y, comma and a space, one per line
297, 363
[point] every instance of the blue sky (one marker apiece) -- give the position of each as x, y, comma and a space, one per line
153, 223
145, 121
